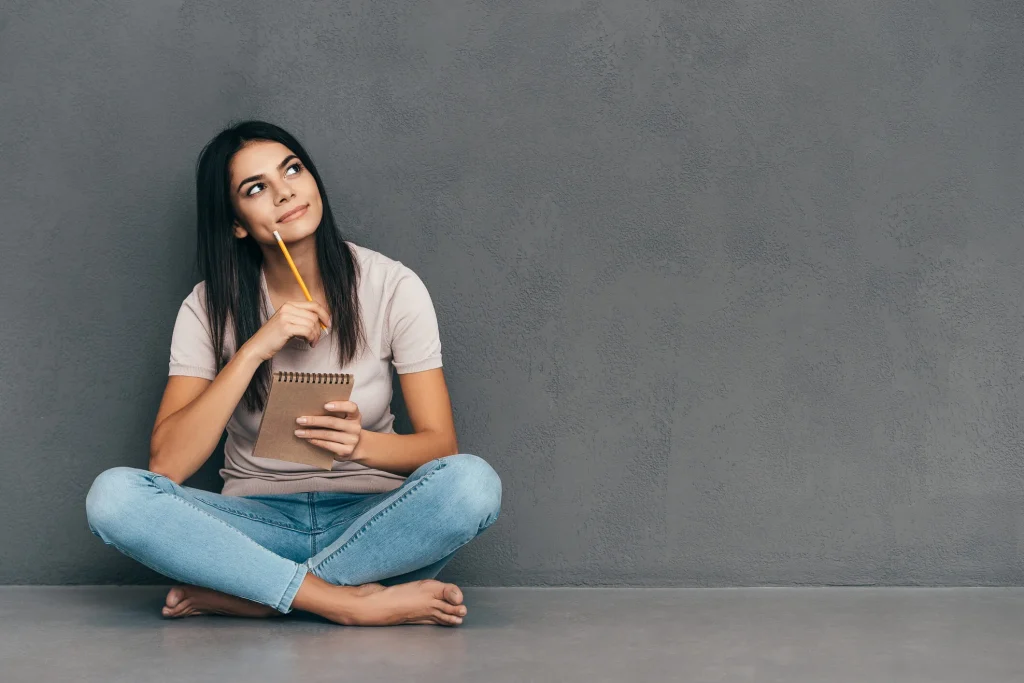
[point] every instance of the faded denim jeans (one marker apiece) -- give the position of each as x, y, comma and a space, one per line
261, 547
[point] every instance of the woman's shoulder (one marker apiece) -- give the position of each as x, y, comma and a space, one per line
195, 301
388, 285
370, 257
379, 270
197, 297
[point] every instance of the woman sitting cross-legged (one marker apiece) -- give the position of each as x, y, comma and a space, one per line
357, 544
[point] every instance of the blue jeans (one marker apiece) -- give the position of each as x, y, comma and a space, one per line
261, 547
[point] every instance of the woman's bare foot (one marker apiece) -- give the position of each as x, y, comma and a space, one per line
188, 601
417, 602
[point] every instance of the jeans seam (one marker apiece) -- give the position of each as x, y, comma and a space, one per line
331, 526
380, 513
255, 518
299, 568
312, 523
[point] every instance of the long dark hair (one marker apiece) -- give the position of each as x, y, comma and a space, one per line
231, 266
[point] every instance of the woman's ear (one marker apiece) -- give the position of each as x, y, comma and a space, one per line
239, 231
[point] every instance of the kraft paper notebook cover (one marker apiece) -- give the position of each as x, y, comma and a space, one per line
292, 395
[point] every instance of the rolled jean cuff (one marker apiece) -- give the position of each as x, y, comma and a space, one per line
284, 605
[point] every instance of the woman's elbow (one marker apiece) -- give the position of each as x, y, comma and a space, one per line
157, 468
162, 466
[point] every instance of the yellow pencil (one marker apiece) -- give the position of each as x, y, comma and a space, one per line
295, 271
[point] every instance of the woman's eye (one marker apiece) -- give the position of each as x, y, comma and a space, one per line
297, 165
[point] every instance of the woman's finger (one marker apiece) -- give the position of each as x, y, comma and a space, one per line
338, 449
327, 422
308, 321
304, 330
327, 435
314, 308
296, 313
342, 407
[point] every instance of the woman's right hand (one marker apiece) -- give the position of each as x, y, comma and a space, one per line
293, 319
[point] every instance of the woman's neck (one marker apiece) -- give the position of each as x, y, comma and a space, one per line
281, 282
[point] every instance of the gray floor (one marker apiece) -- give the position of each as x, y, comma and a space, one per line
113, 634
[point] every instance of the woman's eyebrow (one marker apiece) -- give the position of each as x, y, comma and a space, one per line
258, 177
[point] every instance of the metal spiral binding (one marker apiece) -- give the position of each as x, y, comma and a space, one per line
313, 377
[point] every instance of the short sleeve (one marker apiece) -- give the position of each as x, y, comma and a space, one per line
411, 325
192, 340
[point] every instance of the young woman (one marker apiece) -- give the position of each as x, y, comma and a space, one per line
361, 543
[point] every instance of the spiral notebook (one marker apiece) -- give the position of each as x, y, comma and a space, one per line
292, 395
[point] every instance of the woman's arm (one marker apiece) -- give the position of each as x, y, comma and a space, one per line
430, 411
194, 410
193, 414
412, 334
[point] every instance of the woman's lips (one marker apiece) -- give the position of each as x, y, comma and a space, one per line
293, 214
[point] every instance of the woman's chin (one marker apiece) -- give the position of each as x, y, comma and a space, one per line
294, 231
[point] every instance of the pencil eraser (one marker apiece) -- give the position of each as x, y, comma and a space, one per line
277, 234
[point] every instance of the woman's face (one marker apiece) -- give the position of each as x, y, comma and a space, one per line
268, 181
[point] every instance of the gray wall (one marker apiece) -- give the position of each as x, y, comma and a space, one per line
729, 292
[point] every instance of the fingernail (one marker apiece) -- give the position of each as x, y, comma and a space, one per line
329, 406
302, 420
300, 432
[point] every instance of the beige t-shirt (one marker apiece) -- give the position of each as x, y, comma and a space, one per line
401, 331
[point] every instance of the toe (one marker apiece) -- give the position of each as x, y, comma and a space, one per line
452, 594
175, 596
448, 608
171, 612
447, 619
180, 609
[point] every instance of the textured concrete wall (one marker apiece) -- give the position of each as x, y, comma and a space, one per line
729, 291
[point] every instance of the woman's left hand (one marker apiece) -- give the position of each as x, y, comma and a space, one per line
339, 435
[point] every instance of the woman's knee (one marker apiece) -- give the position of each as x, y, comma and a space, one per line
474, 487
113, 495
